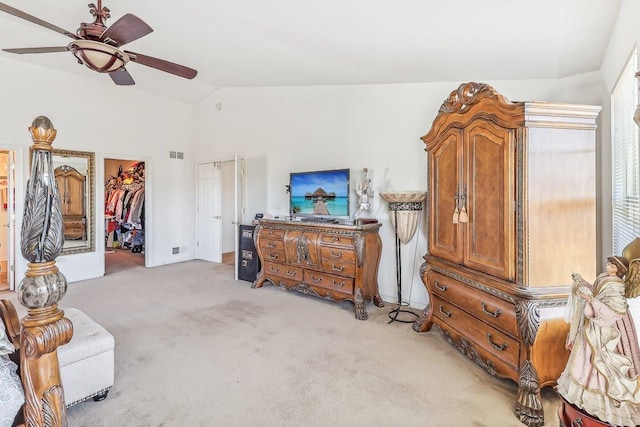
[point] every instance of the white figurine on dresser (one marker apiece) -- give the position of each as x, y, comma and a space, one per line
365, 195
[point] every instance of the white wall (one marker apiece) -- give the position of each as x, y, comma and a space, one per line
228, 207
308, 128
114, 122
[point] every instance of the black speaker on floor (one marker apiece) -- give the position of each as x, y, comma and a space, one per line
248, 261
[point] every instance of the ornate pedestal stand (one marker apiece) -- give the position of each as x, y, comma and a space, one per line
405, 207
45, 327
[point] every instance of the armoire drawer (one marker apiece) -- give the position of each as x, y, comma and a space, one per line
487, 359
74, 223
486, 307
284, 271
484, 335
328, 281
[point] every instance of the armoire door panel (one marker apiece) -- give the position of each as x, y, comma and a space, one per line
445, 170
489, 170
75, 195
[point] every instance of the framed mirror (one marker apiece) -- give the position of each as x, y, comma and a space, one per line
75, 176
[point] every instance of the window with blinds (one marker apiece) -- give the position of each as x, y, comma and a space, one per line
625, 158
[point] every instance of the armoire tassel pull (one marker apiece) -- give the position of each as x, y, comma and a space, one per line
456, 212
464, 216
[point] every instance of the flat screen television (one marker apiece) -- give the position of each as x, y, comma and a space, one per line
319, 194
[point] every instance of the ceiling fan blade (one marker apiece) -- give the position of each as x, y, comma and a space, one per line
23, 15
23, 50
162, 65
122, 77
126, 29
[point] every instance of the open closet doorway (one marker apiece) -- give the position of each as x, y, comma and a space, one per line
124, 214
7, 220
216, 212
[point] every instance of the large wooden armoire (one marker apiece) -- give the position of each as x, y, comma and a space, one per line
512, 214
71, 185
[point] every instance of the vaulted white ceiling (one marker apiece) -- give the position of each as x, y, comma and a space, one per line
332, 42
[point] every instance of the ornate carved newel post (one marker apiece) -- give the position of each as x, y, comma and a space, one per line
45, 327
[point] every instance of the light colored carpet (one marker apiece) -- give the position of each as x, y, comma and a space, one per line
194, 347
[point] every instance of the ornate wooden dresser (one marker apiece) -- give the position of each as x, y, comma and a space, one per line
512, 213
331, 261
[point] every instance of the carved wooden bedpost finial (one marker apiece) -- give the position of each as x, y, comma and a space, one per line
45, 327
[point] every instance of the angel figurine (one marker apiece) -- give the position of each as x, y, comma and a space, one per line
365, 193
601, 375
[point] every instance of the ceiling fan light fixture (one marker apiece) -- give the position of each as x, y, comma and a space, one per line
98, 56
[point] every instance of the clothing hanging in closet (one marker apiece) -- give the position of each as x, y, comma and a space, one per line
124, 209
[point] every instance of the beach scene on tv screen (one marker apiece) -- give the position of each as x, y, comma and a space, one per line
320, 193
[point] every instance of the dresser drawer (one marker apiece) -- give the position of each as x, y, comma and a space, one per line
273, 255
284, 271
328, 281
271, 233
338, 254
336, 239
494, 341
338, 266
272, 244
486, 307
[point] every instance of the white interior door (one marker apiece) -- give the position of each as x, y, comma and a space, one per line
210, 212
11, 209
240, 203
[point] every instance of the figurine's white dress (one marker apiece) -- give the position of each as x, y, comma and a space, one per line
601, 376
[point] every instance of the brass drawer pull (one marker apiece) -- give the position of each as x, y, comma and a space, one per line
273, 269
500, 347
336, 239
292, 273
273, 255
334, 268
336, 254
440, 287
316, 279
271, 244
490, 313
446, 313
339, 285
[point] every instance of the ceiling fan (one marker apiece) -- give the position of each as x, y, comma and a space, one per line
98, 46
